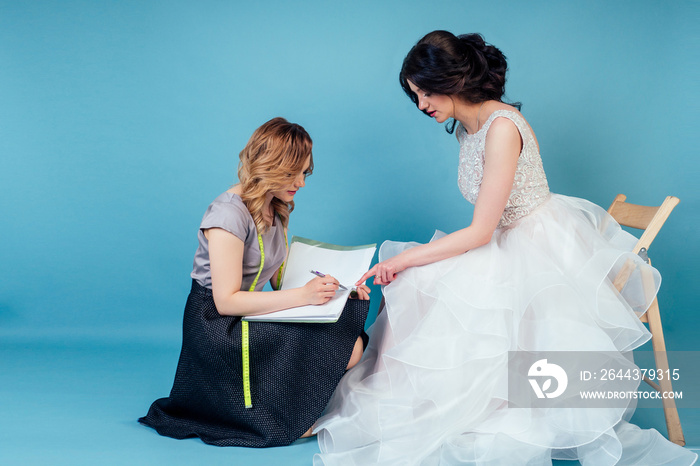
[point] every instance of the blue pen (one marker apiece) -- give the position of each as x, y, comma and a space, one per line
319, 274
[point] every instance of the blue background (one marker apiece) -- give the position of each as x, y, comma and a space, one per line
121, 120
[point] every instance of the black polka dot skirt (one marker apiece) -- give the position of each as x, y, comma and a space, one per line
294, 369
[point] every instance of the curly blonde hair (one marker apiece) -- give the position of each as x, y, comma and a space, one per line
275, 153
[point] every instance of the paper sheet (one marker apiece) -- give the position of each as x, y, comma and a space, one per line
346, 263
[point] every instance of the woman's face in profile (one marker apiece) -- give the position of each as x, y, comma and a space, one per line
296, 181
438, 106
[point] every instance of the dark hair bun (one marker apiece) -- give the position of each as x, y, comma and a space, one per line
465, 66
485, 64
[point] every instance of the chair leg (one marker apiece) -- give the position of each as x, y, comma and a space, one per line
673, 422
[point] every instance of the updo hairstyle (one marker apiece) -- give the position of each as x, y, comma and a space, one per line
464, 66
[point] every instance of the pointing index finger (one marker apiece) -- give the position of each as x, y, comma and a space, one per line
369, 273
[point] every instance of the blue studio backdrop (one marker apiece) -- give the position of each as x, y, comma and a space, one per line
121, 121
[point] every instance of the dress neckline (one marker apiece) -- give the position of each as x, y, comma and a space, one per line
487, 123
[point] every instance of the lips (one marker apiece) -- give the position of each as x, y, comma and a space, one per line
432, 114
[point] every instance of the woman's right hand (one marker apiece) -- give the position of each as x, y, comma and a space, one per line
320, 290
384, 272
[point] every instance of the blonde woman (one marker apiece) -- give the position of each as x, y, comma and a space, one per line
293, 368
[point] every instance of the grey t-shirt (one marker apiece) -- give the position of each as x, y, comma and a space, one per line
229, 213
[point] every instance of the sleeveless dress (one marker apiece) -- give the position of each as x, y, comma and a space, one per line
432, 387
294, 368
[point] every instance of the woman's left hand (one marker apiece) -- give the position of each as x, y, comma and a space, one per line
362, 292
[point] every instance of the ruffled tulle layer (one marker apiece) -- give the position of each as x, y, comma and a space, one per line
432, 387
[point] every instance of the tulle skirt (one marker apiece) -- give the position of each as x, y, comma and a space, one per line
432, 386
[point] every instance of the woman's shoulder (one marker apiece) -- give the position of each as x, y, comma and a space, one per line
231, 199
504, 110
498, 109
228, 211
503, 115
506, 119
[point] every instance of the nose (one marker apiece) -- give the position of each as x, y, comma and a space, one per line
300, 182
422, 104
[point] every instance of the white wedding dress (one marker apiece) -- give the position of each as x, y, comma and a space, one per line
432, 389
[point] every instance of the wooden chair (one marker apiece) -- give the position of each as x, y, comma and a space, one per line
650, 220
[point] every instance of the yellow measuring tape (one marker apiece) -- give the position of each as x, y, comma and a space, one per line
245, 332
245, 350
246, 365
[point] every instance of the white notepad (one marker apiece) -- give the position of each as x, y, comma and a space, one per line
345, 263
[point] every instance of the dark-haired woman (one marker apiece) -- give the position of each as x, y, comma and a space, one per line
531, 273
256, 384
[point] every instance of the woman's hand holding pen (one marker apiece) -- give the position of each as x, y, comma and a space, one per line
320, 290
326, 281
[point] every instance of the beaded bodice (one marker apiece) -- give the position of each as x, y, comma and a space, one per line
530, 188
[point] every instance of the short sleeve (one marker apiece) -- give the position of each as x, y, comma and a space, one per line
230, 215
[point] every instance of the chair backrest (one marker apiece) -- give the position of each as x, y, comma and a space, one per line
649, 219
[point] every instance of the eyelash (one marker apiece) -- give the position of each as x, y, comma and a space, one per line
306, 174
